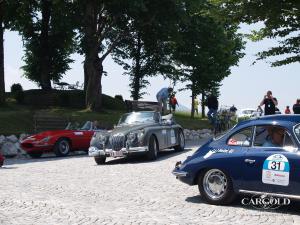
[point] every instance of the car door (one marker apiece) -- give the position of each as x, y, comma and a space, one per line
233, 153
269, 169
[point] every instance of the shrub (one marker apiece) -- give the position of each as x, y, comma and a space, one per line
16, 87
119, 97
19, 96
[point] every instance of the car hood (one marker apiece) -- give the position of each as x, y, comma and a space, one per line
52, 133
129, 128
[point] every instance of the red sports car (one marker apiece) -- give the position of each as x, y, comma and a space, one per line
61, 142
1, 160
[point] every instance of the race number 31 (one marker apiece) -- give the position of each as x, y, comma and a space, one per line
276, 165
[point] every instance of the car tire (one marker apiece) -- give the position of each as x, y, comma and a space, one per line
62, 147
153, 149
35, 155
100, 160
181, 142
1, 164
220, 194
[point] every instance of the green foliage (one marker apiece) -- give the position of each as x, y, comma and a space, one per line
47, 31
206, 48
19, 96
144, 51
66, 98
119, 97
281, 20
16, 87
17, 92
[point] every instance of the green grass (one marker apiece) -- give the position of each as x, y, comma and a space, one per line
198, 123
17, 119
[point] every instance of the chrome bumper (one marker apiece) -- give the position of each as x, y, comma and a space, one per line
94, 152
179, 173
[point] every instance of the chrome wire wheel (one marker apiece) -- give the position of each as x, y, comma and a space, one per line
215, 184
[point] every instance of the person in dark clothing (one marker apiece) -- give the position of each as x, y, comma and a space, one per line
233, 109
296, 107
270, 103
213, 105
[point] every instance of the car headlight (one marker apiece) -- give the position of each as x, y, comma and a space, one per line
101, 138
132, 136
46, 139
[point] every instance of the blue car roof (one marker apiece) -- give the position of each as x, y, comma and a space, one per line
280, 120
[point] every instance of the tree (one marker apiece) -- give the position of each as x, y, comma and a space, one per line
2, 81
281, 20
103, 25
207, 48
47, 31
7, 9
144, 51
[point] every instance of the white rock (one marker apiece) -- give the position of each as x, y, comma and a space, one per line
23, 136
206, 135
2, 139
203, 131
9, 149
12, 138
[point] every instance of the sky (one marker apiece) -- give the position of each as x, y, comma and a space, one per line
245, 87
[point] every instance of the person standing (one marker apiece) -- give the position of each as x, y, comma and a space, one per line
233, 109
196, 105
213, 105
173, 103
287, 110
296, 107
162, 98
270, 103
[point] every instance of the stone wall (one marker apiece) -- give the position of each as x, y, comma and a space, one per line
197, 134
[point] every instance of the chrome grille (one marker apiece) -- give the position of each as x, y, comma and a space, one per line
117, 141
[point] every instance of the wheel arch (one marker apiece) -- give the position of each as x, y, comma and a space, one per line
66, 138
203, 169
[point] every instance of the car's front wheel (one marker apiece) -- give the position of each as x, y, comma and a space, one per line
62, 147
181, 142
100, 160
152, 148
35, 155
215, 187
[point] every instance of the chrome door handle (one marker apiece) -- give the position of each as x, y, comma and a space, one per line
250, 161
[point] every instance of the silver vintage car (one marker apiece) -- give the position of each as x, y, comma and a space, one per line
138, 132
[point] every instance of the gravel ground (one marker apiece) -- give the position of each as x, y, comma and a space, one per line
74, 190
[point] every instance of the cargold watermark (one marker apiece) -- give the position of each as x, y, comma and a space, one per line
265, 201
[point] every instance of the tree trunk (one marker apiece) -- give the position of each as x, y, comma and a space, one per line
203, 104
2, 81
94, 70
44, 38
193, 99
137, 76
93, 67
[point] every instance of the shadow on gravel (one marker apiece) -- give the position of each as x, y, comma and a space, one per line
292, 209
163, 155
45, 157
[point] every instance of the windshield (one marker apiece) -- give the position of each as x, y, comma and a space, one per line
297, 131
139, 117
76, 126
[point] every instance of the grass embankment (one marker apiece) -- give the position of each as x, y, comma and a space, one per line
17, 119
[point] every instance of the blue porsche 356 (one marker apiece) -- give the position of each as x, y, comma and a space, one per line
257, 156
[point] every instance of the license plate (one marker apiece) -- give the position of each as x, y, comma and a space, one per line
116, 154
